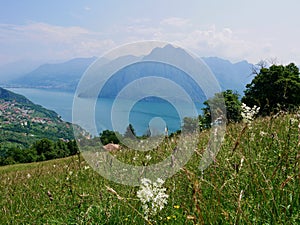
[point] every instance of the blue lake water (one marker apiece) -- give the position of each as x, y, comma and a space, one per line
140, 115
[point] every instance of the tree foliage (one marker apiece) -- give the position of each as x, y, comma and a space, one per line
274, 88
108, 136
232, 107
41, 150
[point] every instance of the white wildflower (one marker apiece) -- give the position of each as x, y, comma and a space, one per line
262, 133
86, 167
28, 175
160, 181
293, 120
153, 196
249, 113
148, 157
242, 161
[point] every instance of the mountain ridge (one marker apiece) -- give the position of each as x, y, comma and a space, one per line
66, 76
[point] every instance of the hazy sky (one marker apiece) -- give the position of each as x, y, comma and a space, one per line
231, 29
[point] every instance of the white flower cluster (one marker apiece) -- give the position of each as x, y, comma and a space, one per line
248, 113
153, 196
293, 121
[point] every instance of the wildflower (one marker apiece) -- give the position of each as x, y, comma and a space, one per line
28, 175
262, 134
168, 217
148, 157
293, 121
50, 195
176, 206
86, 167
190, 217
241, 164
249, 113
153, 196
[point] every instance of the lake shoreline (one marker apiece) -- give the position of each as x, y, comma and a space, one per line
141, 113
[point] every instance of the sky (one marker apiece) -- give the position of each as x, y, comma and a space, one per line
233, 29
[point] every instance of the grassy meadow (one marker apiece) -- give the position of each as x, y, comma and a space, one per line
255, 179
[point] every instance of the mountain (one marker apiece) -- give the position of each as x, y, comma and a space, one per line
230, 76
15, 70
152, 65
63, 76
20, 118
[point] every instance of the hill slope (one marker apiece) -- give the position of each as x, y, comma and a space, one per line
23, 122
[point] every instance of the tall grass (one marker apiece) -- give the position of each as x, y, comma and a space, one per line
255, 179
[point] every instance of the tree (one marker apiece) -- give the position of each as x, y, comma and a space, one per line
73, 147
274, 88
232, 105
44, 149
61, 149
130, 133
108, 136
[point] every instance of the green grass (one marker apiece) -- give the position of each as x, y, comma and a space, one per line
264, 190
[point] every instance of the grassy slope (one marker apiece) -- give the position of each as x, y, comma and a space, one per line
264, 190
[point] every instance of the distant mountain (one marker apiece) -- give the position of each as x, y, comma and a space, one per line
230, 76
63, 76
20, 118
16, 70
145, 66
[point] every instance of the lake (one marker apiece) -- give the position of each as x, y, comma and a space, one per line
143, 113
